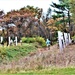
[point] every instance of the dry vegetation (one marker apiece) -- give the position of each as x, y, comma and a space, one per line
43, 58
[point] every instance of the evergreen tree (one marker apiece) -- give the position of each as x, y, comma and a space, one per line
72, 5
48, 15
62, 13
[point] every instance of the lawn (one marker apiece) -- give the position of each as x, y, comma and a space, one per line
57, 71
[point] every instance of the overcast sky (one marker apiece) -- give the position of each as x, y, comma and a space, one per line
8, 5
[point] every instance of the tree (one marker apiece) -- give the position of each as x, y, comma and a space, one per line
61, 11
25, 20
67, 4
1, 13
48, 15
72, 6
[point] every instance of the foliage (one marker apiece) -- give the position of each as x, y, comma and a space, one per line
72, 6
40, 40
73, 38
24, 19
28, 40
63, 10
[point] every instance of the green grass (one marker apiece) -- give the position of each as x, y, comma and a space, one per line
52, 71
16, 52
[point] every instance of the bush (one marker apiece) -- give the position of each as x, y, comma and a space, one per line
24, 39
73, 38
2, 52
31, 40
40, 40
28, 40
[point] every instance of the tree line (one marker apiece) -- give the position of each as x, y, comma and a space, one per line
29, 24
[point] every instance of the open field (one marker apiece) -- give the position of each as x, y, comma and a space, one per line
40, 61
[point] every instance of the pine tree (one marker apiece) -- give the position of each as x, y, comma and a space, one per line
62, 13
72, 5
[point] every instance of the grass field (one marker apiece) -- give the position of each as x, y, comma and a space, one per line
58, 71
15, 52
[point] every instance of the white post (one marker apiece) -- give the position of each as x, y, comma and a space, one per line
66, 38
1, 39
69, 38
16, 40
61, 40
9, 40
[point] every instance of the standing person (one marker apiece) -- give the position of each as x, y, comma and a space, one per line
48, 44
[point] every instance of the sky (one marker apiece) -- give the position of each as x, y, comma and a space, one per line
8, 5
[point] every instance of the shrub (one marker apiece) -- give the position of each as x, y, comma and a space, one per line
2, 52
28, 40
73, 38
24, 39
40, 40
31, 40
